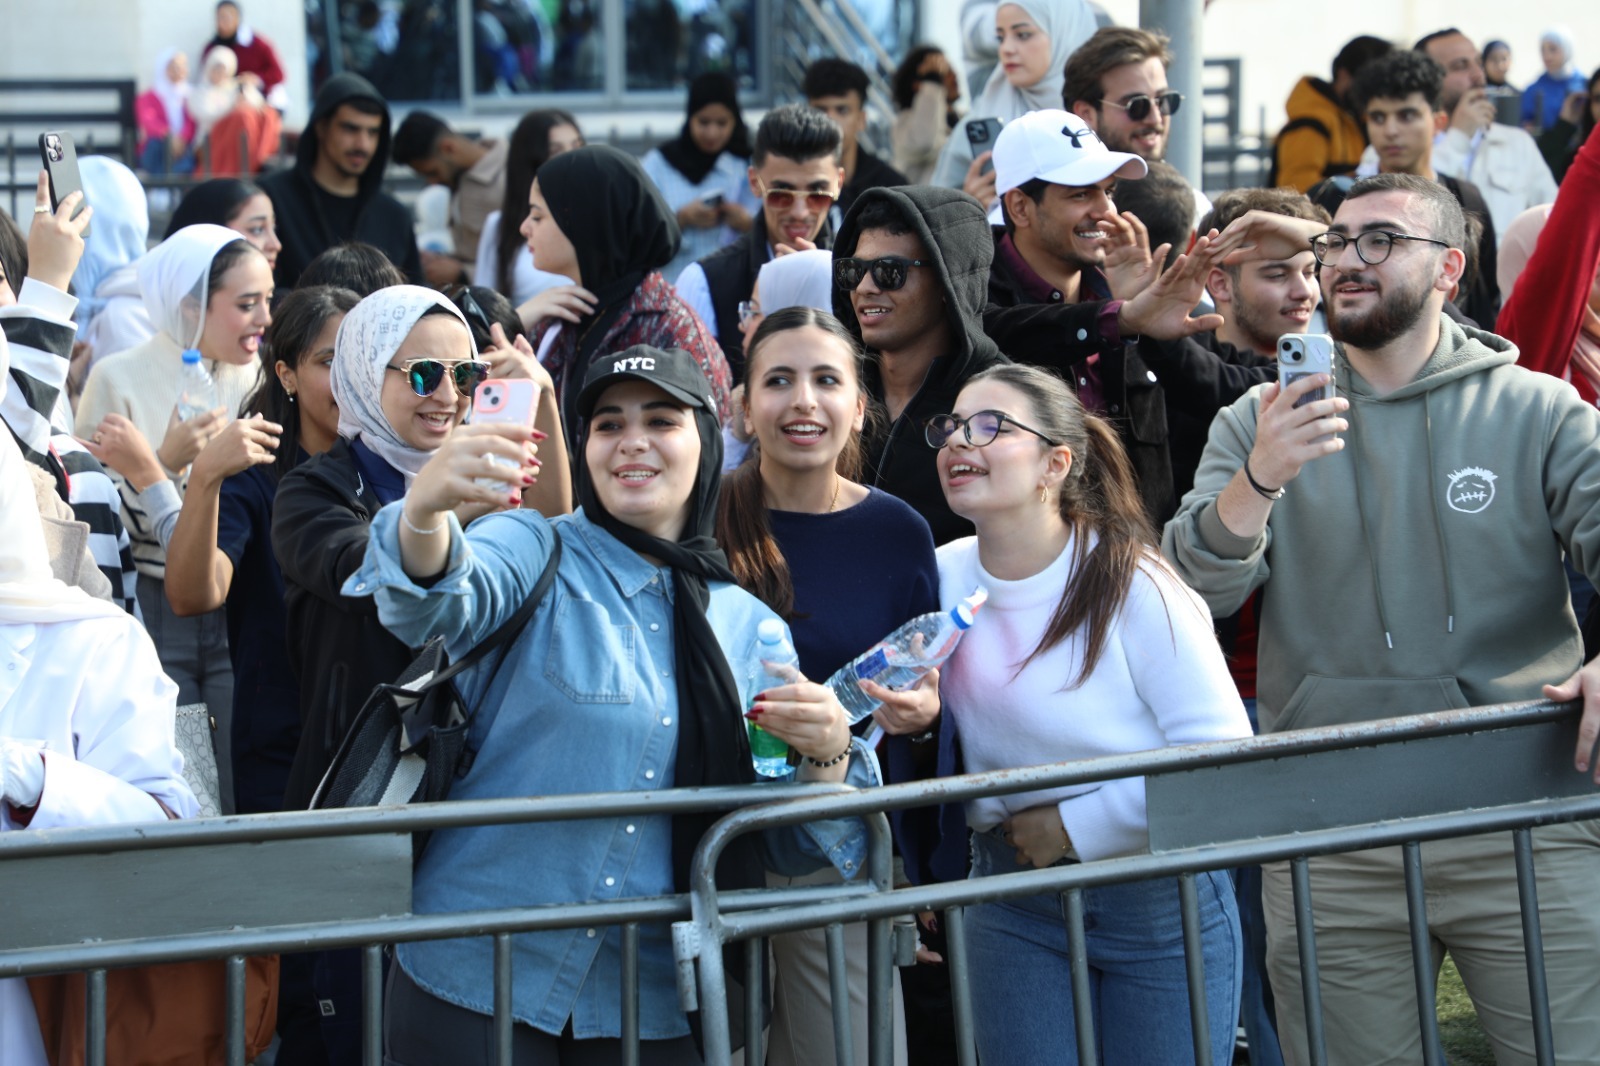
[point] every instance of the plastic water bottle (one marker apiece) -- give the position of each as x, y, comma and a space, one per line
777, 664
899, 660
197, 393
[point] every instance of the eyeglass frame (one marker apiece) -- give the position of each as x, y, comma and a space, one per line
872, 268
965, 425
767, 195
451, 370
1356, 241
1159, 101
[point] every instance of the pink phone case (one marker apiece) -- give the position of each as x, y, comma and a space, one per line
506, 400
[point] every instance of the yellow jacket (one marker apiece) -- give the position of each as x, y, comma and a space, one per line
1321, 138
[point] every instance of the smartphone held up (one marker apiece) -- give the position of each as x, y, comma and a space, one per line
511, 400
60, 158
1301, 355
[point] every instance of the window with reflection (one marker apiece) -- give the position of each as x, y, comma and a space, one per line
522, 47
669, 42
406, 48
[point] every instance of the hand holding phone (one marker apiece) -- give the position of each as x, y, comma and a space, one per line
1301, 355
60, 158
981, 135
510, 400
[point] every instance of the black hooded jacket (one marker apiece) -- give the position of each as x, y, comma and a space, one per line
380, 219
952, 227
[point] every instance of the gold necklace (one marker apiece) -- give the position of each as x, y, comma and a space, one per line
837, 482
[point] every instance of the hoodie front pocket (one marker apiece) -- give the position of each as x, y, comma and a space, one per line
1320, 700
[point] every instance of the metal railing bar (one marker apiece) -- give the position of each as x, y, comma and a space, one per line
94, 1016
1533, 947
233, 1032
1305, 932
1195, 963
1144, 867
880, 989
630, 994
755, 957
372, 1005
844, 1046
502, 999
1078, 962
955, 950
1421, 953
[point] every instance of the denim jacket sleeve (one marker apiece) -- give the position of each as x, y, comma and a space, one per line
488, 573
794, 851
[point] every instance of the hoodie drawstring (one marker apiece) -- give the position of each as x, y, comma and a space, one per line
1366, 532
1438, 523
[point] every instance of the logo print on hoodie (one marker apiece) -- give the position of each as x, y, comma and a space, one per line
1470, 490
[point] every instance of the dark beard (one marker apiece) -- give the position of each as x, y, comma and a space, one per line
1395, 314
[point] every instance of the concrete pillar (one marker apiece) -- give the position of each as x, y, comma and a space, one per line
1181, 20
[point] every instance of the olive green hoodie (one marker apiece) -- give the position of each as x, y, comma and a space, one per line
1419, 569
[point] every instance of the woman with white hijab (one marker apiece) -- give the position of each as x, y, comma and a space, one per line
1035, 38
166, 128
86, 715
206, 288
111, 314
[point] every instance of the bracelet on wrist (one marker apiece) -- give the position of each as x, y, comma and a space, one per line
836, 760
421, 532
1261, 490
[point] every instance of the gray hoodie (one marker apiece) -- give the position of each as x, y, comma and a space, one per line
1419, 569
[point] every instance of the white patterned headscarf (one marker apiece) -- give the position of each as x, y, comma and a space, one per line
179, 267
368, 339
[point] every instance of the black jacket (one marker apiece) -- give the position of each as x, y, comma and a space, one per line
1060, 337
381, 220
1200, 376
871, 173
952, 227
337, 647
731, 277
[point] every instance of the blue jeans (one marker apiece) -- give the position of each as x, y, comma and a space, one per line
1022, 983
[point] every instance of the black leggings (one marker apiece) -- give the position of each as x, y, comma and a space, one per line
423, 1030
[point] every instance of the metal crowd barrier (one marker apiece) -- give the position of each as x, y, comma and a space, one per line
98, 898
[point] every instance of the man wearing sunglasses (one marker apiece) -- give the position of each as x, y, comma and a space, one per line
1407, 536
795, 170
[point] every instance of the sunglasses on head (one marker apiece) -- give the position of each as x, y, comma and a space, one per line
471, 310
426, 375
817, 200
1138, 107
888, 273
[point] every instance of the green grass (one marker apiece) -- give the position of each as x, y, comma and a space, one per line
1464, 1042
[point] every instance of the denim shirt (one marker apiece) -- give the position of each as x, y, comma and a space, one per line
586, 702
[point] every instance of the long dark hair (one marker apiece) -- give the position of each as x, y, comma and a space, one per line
295, 326
1099, 501
527, 152
1586, 120
904, 86
742, 526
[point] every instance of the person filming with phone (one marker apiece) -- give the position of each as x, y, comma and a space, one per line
1407, 533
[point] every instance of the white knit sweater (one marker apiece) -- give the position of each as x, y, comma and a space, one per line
1160, 681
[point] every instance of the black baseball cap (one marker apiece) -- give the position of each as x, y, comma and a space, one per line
672, 370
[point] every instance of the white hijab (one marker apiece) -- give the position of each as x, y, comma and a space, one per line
368, 339
799, 279
212, 100
29, 592
179, 267
1068, 23
172, 94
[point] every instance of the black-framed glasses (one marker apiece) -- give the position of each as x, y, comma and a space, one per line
1138, 106
748, 309
1372, 247
888, 273
817, 200
980, 429
471, 310
426, 375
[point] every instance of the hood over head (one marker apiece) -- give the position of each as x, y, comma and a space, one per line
955, 232
610, 210
339, 89
122, 232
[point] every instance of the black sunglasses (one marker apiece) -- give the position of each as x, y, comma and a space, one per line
426, 375
1138, 107
471, 310
888, 273
980, 429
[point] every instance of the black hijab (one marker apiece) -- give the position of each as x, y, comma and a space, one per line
713, 745
621, 230
685, 156
211, 201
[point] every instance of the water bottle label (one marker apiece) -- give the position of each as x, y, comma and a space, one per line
873, 665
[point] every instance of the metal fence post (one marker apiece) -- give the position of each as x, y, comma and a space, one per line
1078, 961
1533, 947
1422, 954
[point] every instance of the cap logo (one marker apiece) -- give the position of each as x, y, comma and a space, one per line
1077, 136
634, 362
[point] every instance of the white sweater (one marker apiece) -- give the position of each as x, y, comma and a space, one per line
1160, 681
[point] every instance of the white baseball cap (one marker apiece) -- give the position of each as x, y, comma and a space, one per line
1058, 147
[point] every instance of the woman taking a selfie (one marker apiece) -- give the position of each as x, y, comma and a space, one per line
643, 639
1088, 646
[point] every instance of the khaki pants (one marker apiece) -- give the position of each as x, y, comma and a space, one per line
1369, 998
802, 1011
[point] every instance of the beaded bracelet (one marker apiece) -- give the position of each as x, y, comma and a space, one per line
835, 761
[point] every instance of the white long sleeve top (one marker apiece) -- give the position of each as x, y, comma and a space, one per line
1160, 681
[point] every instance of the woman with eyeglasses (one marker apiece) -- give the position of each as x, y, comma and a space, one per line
403, 374
844, 565
702, 172
1088, 646
1035, 37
